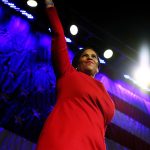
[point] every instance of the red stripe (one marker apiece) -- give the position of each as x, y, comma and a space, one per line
131, 111
125, 138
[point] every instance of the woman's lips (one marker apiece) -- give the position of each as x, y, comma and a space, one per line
90, 62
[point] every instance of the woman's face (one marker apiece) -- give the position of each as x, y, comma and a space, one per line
88, 62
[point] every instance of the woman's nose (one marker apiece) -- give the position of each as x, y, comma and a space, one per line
89, 57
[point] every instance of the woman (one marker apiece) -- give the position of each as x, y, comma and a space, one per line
83, 108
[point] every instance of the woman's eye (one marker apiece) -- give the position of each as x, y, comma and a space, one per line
94, 56
84, 55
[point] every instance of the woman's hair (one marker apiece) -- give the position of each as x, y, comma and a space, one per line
77, 56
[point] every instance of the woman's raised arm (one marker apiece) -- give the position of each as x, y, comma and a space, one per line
59, 49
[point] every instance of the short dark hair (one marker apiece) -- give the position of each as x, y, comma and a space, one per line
77, 56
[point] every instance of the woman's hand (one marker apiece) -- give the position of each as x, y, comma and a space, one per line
49, 3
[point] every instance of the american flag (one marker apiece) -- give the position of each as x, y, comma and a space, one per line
130, 127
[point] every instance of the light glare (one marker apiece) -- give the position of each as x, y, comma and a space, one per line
142, 77
108, 53
11, 5
73, 29
68, 40
32, 3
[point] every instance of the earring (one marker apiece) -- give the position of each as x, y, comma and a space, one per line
77, 68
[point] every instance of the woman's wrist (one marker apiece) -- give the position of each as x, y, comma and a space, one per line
49, 3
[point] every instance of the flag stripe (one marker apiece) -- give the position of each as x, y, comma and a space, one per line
131, 111
111, 145
132, 126
123, 92
125, 138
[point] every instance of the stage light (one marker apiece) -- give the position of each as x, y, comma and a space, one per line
68, 40
102, 61
49, 29
142, 77
108, 53
32, 3
126, 76
142, 73
73, 29
141, 82
80, 48
23, 12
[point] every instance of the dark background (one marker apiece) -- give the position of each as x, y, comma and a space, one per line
122, 26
